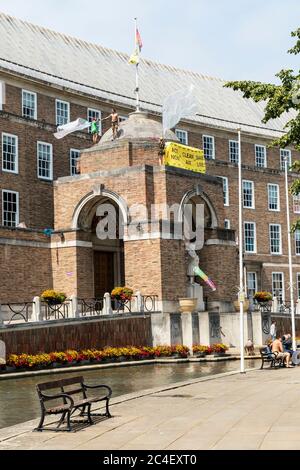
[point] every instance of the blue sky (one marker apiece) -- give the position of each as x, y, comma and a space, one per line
230, 39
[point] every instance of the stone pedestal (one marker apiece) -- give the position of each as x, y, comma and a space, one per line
187, 330
196, 291
204, 328
258, 338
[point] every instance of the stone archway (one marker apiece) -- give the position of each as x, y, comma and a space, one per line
101, 218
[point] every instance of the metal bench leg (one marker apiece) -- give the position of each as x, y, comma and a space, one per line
69, 428
40, 426
107, 409
62, 419
89, 414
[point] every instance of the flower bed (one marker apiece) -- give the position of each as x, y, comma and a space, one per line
72, 357
217, 348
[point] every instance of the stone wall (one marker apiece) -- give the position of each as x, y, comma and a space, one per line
135, 331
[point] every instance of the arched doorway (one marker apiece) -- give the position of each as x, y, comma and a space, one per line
101, 218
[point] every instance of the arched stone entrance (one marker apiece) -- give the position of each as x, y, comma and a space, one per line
101, 218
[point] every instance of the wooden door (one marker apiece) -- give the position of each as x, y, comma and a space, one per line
103, 272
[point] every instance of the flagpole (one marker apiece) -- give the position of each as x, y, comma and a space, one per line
288, 223
136, 72
241, 289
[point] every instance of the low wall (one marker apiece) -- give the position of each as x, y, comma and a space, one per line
82, 334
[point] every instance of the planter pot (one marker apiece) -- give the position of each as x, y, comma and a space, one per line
246, 305
187, 304
199, 354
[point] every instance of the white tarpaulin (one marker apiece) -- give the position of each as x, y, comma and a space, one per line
182, 103
73, 126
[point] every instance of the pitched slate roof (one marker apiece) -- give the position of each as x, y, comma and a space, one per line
81, 66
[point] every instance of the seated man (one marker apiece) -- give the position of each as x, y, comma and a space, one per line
277, 349
287, 344
249, 347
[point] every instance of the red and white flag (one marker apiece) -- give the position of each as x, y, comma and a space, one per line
138, 39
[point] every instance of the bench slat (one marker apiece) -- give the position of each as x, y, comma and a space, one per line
60, 383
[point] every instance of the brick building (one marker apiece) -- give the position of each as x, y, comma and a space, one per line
48, 79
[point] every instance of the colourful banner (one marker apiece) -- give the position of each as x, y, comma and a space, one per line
182, 156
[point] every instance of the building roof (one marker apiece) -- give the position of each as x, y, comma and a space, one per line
140, 127
84, 67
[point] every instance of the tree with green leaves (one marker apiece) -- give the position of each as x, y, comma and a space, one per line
280, 99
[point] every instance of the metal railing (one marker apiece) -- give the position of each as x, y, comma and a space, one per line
19, 311
55, 311
90, 307
39, 311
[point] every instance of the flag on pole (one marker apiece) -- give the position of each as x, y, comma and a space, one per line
182, 103
138, 39
135, 57
73, 126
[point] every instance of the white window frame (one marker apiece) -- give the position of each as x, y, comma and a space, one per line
296, 204
254, 233
71, 167
282, 163
35, 103
56, 115
93, 110
50, 178
204, 136
16, 171
17, 212
256, 146
255, 280
229, 151
295, 237
283, 287
280, 239
278, 197
225, 190
227, 222
253, 194
185, 134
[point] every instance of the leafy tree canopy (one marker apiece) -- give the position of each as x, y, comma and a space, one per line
279, 99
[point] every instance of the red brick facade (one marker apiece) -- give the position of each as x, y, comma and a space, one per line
161, 263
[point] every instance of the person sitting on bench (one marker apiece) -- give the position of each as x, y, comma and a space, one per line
277, 349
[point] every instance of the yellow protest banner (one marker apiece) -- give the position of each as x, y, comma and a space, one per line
182, 156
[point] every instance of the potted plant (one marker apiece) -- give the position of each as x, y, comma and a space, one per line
219, 349
53, 297
263, 296
122, 295
200, 350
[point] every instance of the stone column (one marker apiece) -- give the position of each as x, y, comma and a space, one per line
36, 310
257, 328
107, 310
187, 330
204, 328
74, 313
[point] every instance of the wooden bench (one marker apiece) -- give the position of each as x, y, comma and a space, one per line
71, 395
268, 356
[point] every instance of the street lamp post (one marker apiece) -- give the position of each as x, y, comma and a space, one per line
241, 270
290, 252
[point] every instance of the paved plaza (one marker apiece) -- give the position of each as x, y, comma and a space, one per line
258, 410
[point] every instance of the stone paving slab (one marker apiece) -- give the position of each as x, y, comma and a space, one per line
256, 410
